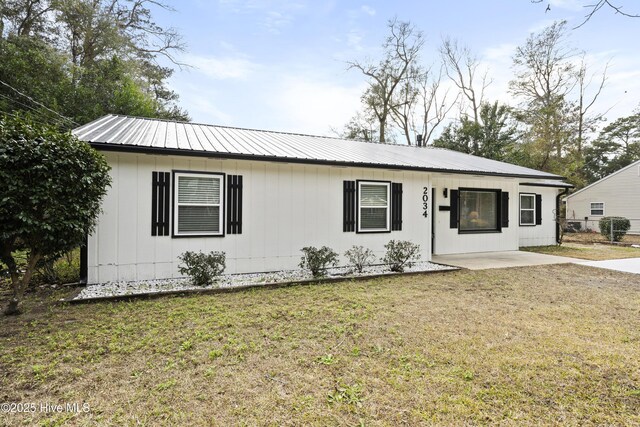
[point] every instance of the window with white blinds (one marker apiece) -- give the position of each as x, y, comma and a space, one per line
198, 204
373, 206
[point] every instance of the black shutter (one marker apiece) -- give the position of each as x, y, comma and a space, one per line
234, 204
349, 206
396, 206
504, 209
160, 201
453, 213
538, 209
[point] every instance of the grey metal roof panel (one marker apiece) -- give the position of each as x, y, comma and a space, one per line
132, 133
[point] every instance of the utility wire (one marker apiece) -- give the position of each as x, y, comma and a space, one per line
38, 103
40, 112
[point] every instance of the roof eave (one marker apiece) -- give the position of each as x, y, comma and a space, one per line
102, 146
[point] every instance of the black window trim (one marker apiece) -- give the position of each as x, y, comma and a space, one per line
533, 195
374, 181
498, 192
173, 203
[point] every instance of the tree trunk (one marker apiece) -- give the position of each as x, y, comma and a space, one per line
19, 284
383, 125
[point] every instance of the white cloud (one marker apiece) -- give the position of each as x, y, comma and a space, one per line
309, 105
368, 10
222, 68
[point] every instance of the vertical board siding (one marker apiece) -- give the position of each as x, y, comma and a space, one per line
543, 233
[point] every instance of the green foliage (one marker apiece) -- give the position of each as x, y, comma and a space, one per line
52, 186
494, 137
203, 269
617, 146
85, 59
359, 257
318, 260
620, 227
349, 394
401, 254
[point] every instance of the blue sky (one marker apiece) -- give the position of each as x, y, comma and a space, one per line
281, 65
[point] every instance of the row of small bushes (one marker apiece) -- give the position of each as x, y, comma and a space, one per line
400, 254
205, 268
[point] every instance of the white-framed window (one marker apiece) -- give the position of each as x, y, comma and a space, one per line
198, 199
527, 209
374, 206
597, 208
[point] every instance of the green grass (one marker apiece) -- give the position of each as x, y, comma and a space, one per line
540, 346
594, 252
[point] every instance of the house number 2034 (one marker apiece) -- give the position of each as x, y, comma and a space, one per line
425, 202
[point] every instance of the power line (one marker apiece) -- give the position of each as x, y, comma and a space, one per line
39, 103
47, 118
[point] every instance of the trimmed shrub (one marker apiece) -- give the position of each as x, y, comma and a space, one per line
401, 254
359, 257
620, 227
202, 268
318, 260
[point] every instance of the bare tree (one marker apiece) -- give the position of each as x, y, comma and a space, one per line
435, 106
401, 52
585, 103
461, 66
593, 8
404, 103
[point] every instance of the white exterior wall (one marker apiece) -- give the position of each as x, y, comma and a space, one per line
449, 241
285, 207
620, 194
544, 234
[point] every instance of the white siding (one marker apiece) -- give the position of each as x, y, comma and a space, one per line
285, 207
450, 241
620, 194
544, 234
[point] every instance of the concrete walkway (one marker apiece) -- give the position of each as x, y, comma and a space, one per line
485, 260
629, 265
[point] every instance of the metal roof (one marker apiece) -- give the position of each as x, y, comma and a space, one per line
135, 134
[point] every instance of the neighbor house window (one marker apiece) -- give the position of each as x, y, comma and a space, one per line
479, 210
373, 208
198, 204
527, 209
597, 208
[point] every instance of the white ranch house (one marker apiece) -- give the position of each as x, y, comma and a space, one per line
617, 194
261, 196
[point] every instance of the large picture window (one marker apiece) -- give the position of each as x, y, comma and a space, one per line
198, 204
479, 210
527, 209
373, 208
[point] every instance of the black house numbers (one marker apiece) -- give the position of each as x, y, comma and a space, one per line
425, 202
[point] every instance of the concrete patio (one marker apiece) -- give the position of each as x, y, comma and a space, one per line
628, 265
485, 260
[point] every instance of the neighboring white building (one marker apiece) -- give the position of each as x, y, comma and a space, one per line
617, 194
261, 196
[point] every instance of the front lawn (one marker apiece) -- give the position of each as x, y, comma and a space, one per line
539, 345
593, 252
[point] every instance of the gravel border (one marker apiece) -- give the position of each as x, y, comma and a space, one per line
120, 289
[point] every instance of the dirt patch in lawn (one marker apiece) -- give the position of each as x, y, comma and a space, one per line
537, 345
593, 251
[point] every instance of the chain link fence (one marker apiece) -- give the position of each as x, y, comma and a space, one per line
573, 225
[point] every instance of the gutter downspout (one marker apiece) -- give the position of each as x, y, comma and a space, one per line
558, 224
